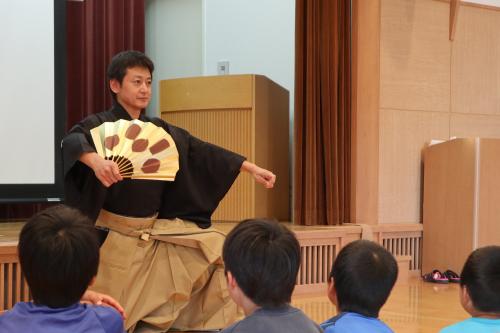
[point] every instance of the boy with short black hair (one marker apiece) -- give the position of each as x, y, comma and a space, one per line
59, 255
480, 292
361, 280
262, 259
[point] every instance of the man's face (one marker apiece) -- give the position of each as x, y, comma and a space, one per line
134, 92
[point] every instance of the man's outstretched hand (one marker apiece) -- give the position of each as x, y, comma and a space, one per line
262, 176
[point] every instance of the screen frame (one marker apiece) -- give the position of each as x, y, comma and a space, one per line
21, 193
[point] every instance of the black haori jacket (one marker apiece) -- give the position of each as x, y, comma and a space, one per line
206, 172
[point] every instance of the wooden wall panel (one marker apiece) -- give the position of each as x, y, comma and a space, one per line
475, 61
469, 126
13, 286
403, 136
365, 118
415, 55
418, 70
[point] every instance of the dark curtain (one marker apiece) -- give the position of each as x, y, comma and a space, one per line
95, 31
322, 112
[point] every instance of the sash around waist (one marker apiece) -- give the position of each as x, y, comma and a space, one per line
150, 226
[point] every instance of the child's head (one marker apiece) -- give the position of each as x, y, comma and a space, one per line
362, 277
59, 254
263, 257
480, 282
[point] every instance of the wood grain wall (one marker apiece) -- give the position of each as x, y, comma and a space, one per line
430, 88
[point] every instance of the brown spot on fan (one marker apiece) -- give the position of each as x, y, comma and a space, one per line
140, 145
111, 142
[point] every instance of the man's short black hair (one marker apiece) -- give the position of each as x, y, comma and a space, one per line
264, 258
364, 274
59, 254
481, 276
124, 60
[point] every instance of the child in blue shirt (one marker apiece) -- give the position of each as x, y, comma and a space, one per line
480, 292
361, 280
59, 254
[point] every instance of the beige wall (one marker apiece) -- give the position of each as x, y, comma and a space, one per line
430, 88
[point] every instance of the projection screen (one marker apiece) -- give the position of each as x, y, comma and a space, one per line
32, 99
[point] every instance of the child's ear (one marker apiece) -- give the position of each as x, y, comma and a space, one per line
465, 300
231, 281
332, 292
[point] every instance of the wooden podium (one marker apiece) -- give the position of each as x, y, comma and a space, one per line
247, 114
461, 201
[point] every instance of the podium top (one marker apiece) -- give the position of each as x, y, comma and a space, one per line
462, 141
214, 92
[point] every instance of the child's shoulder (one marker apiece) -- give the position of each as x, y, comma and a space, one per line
22, 309
475, 325
110, 319
286, 319
350, 322
24, 317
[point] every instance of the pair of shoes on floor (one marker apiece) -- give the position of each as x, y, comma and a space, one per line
437, 277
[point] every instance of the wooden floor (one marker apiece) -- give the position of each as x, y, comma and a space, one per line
413, 307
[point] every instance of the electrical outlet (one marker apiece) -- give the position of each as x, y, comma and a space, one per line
223, 67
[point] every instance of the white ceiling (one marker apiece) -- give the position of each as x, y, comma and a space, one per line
495, 3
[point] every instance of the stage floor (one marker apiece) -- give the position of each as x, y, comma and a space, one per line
9, 231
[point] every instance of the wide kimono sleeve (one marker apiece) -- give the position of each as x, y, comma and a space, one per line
206, 173
82, 189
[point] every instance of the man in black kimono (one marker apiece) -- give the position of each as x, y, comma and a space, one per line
161, 257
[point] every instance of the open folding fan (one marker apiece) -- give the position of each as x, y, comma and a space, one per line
141, 150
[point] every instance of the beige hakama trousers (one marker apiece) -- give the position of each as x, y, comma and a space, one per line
165, 273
